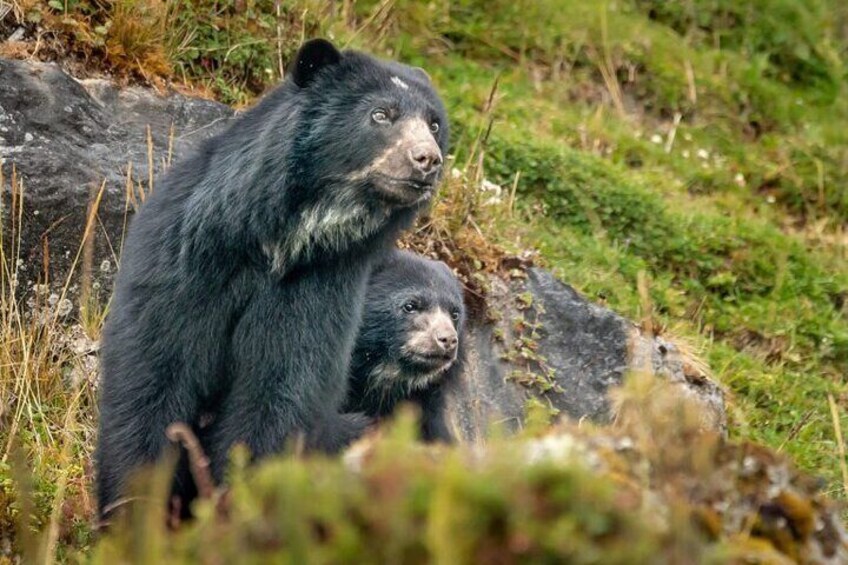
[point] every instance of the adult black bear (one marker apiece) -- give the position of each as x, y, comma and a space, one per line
410, 341
243, 275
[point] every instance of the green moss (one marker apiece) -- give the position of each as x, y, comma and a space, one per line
408, 505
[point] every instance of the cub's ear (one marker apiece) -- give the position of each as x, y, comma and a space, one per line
313, 56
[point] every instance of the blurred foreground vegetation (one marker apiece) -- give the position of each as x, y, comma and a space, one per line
699, 146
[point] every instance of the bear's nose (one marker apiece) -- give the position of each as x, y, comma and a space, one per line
426, 158
447, 341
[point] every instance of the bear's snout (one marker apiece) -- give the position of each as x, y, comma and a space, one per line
446, 339
426, 158
434, 336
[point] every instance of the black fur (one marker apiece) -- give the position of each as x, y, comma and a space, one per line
233, 298
382, 374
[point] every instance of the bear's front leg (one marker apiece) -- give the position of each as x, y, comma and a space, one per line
288, 366
337, 431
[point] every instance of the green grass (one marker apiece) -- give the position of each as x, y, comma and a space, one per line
739, 223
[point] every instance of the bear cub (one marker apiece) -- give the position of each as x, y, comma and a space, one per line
410, 341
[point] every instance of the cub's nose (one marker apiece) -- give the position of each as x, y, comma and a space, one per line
447, 341
426, 158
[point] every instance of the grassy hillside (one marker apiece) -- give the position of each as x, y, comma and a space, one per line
704, 145
697, 149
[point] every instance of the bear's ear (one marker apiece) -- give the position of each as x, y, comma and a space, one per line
422, 73
313, 56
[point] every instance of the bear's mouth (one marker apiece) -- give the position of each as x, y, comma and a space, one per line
404, 191
432, 361
413, 182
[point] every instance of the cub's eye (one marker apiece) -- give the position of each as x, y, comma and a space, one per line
410, 307
380, 116
454, 315
434, 127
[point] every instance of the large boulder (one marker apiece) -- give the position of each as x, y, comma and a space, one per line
66, 137
551, 344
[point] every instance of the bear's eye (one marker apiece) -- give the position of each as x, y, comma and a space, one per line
434, 127
410, 307
455, 314
380, 116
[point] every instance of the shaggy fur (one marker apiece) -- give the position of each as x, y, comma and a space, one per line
243, 276
411, 305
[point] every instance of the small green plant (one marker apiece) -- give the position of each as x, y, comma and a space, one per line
530, 367
238, 48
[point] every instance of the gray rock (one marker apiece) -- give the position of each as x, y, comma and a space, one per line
66, 137
583, 352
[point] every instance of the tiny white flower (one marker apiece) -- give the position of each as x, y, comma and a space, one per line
105, 266
65, 306
703, 154
739, 179
656, 138
495, 190
685, 153
489, 186
771, 199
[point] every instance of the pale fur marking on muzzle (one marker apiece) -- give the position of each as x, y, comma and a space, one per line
413, 131
423, 338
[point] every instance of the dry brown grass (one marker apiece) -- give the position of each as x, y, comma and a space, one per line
47, 403
138, 35
131, 40
473, 225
